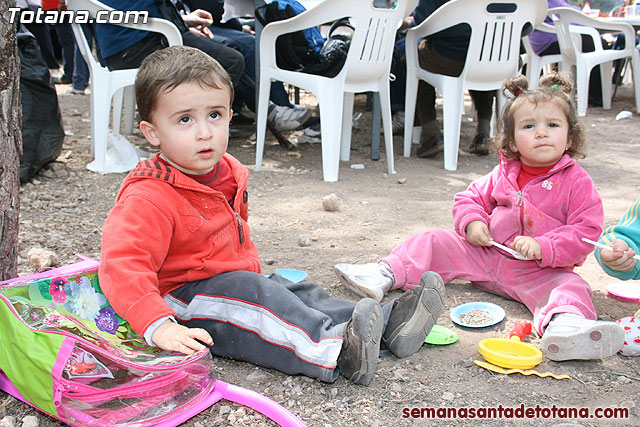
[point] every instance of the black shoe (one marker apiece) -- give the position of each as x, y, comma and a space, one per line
240, 119
480, 145
595, 102
235, 132
358, 358
64, 80
430, 147
413, 315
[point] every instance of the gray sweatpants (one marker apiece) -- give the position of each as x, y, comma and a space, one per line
296, 328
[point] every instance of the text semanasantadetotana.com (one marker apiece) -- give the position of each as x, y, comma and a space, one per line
518, 412
77, 16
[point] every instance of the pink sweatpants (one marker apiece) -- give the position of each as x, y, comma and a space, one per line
545, 291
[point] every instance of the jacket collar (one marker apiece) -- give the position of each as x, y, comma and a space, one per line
511, 167
152, 169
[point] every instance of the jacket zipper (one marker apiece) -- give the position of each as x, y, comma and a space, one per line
240, 230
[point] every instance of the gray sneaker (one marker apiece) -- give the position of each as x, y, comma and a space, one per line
365, 280
413, 315
569, 337
358, 358
285, 118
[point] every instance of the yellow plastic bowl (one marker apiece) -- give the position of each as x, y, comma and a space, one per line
509, 353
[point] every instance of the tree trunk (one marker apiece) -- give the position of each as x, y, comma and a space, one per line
10, 145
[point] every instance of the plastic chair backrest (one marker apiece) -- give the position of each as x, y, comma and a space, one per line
372, 41
568, 22
494, 48
374, 37
152, 24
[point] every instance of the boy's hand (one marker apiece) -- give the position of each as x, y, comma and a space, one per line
527, 246
478, 233
621, 258
175, 337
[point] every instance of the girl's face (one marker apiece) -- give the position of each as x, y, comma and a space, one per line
541, 133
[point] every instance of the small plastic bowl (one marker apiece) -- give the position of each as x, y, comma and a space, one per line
509, 353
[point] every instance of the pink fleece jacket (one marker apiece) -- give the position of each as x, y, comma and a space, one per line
557, 209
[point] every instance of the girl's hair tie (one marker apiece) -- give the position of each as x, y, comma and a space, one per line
555, 87
517, 92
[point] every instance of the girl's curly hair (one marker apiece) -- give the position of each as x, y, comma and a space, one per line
552, 87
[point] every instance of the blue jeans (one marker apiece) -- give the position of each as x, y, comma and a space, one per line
246, 90
80, 79
67, 42
398, 69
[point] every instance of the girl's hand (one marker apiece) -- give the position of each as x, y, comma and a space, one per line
478, 233
527, 246
621, 258
175, 337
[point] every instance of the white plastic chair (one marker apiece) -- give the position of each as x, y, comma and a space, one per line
536, 63
104, 84
366, 69
494, 50
568, 24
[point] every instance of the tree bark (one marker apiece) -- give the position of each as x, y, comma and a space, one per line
10, 145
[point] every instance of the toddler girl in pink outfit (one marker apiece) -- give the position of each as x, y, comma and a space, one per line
539, 203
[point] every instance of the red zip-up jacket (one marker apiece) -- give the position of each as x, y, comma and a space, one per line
166, 229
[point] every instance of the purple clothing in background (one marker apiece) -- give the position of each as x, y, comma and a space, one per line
540, 41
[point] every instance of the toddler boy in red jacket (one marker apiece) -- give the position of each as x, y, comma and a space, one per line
179, 265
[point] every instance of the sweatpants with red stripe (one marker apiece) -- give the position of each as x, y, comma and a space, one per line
545, 291
296, 328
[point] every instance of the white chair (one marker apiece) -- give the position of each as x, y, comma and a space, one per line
494, 50
366, 69
569, 23
536, 63
104, 84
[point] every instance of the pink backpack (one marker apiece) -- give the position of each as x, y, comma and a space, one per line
67, 353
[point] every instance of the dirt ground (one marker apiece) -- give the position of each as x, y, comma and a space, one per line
64, 207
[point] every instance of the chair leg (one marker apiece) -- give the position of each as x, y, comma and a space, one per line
385, 107
533, 71
606, 76
375, 128
635, 71
118, 98
331, 102
409, 110
451, 122
100, 105
582, 88
347, 123
129, 109
261, 118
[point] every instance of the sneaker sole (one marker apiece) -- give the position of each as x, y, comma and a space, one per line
596, 342
300, 121
368, 324
409, 336
358, 288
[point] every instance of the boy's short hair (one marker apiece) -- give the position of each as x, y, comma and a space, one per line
165, 69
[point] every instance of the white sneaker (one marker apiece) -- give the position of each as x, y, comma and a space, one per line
569, 336
285, 118
365, 280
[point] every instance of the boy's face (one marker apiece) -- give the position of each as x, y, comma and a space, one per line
190, 124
